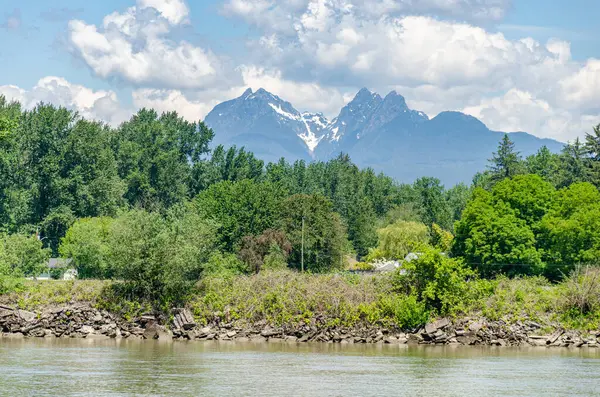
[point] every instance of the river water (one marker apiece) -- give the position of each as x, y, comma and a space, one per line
63, 367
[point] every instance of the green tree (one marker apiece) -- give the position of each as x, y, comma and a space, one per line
399, 239
506, 162
157, 155
432, 200
573, 165
258, 251
315, 230
160, 258
22, 255
570, 232
494, 239
592, 150
544, 163
86, 244
241, 208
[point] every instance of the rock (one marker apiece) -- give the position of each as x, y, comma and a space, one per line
86, 330
476, 327
414, 339
231, 334
26, 316
269, 332
536, 341
291, 339
436, 325
466, 340
183, 319
557, 334
211, 336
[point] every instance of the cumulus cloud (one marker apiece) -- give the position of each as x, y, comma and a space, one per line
99, 105
317, 53
521, 111
437, 64
134, 46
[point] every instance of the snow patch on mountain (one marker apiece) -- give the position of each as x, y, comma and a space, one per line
283, 113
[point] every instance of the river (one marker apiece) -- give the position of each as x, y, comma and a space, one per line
70, 367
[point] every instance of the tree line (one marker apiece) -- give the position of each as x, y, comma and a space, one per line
151, 197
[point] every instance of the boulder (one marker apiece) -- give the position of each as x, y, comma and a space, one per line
86, 330
431, 328
183, 319
26, 316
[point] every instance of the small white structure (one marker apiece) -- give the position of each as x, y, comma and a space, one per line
58, 263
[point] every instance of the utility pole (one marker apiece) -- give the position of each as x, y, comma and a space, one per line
302, 261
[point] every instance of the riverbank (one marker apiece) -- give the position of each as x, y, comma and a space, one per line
84, 321
292, 307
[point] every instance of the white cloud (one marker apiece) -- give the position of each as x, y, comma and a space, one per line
304, 96
175, 11
521, 111
195, 105
134, 46
582, 89
99, 105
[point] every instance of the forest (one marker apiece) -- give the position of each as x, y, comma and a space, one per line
150, 203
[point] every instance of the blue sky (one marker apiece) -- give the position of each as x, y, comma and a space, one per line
517, 65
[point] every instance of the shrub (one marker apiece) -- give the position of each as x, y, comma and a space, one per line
160, 258
86, 243
223, 265
440, 282
581, 295
408, 312
22, 255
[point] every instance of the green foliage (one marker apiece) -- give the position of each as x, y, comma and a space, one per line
408, 311
506, 162
570, 232
86, 243
313, 228
22, 255
156, 157
399, 239
160, 258
223, 265
440, 282
493, 239
440, 238
241, 209
270, 250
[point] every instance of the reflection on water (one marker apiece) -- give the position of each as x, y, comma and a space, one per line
50, 367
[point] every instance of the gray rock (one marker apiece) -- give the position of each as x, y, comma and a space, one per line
26, 316
436, 325
86, 330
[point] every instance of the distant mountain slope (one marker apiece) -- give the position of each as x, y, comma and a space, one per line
382, 133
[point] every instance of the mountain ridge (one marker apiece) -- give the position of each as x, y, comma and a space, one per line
378, 132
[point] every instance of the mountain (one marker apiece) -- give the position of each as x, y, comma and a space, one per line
266, 125
382, 133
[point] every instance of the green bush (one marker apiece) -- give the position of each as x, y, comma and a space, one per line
408, 312
22, 255
160, 258
442, 283
86, 243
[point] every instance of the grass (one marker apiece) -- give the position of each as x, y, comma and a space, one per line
291, 298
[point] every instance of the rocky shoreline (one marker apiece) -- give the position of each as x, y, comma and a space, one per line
83, 321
